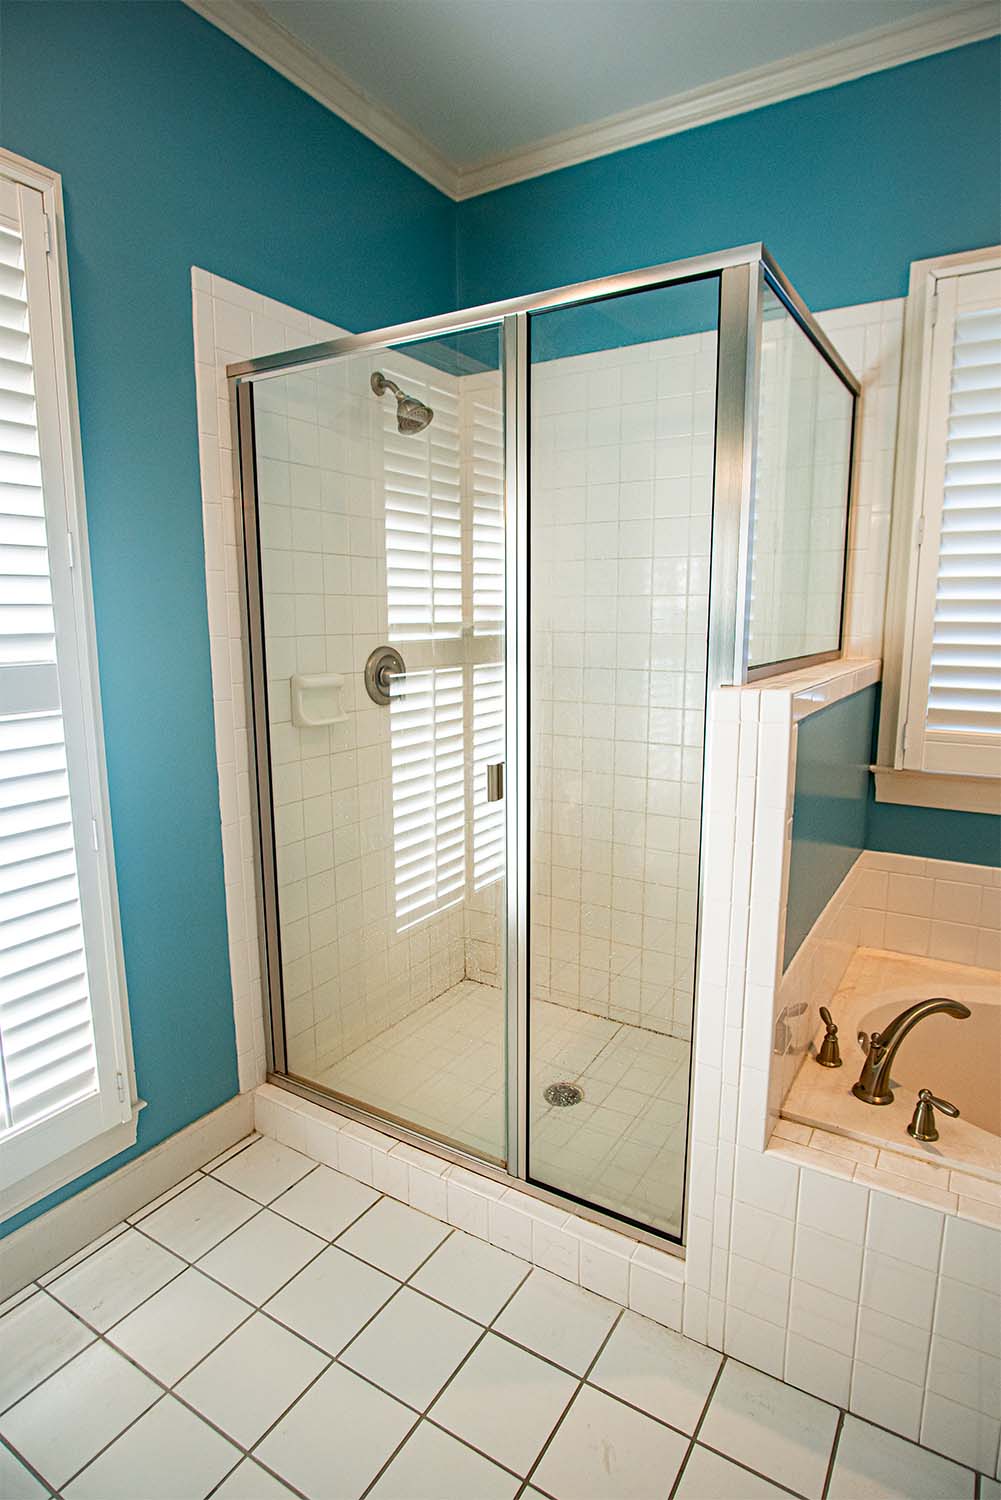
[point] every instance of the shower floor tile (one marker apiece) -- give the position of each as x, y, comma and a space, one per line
623, 1146
544, 1392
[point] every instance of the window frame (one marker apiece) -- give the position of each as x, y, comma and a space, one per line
900, 775
43, 1156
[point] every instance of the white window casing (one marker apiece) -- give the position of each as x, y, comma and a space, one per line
67, 1095
940, 732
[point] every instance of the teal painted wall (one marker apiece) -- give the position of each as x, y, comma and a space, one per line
846, 187
179, 148
831, 802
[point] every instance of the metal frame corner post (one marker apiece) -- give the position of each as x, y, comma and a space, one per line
264, 832
516, 677
733, 472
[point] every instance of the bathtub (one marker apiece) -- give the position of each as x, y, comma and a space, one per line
958, 1060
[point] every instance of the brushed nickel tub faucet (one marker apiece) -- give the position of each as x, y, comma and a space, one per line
873, 1085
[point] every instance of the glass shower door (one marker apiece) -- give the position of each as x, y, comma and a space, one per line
622, 414
380, 538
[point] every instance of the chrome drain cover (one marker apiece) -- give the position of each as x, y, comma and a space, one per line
562, 1094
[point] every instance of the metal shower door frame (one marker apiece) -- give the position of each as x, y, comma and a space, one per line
743, 274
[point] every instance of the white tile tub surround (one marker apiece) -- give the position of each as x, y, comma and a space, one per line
928, 908
820, 1267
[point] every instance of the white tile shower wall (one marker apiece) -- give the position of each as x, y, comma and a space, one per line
230, 323
622, 449
854, 1293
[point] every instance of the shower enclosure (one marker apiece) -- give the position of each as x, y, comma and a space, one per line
495, 561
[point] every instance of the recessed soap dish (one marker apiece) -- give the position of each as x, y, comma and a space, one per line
316, 700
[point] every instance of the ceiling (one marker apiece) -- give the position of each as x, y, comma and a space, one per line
480, 78
473, 92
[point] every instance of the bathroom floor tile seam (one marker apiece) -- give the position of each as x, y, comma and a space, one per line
421, 1415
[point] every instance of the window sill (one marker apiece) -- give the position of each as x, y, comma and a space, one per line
67, 1168
980, 794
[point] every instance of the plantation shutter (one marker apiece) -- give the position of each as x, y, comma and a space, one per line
421, 478
62, 1067
954, 706
485, 438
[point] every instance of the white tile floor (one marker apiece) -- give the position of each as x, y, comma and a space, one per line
299, 1335
623, 1146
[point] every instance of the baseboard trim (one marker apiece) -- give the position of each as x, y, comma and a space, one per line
38, 1246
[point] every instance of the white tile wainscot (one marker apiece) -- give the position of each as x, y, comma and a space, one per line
866, 1291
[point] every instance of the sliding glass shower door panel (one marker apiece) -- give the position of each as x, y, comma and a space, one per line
380, 507
622, 417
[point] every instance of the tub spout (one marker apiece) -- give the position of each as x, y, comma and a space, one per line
873, 1086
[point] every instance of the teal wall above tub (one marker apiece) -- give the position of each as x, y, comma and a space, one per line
836, 815
933, 833
833, 754
178, 148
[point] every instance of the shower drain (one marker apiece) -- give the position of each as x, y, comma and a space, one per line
562, 1094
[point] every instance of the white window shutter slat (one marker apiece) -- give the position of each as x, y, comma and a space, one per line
954, 703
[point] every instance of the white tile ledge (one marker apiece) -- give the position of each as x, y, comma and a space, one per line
809, 689
633, 1274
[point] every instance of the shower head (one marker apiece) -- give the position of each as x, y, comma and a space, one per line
411, 415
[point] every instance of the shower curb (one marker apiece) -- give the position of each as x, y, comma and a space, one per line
633, 1275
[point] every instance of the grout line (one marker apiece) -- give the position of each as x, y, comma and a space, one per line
693, 1437
5, 1443
581, 1381
747, 1469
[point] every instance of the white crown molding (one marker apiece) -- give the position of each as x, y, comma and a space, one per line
804, 73
247, 22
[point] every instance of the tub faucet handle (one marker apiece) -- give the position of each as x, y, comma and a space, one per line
829, 1055
922, 1126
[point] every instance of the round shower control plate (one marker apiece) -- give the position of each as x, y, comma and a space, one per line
563, 1094
383, 665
